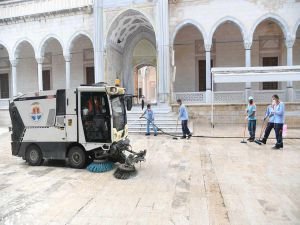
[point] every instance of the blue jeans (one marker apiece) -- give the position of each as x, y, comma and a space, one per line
153, 126
252, 128
278, 131
185, 129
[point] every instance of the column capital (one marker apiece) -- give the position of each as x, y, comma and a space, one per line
68, 57
207, 47
40, 60
14, 62
289, 42
247, 45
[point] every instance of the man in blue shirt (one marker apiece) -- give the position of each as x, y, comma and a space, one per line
270, 125
184, 117
150, 119
278, 113
251, 112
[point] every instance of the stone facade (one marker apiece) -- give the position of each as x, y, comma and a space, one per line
72, 39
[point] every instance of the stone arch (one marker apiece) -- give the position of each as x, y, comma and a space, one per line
16, 45
119, 16
6, 47
296, 26
273, 17
41, 49
192, 23
221, 21
76, 35
128, 53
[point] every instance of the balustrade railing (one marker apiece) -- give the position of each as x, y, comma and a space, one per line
297, 95
264, 96
190, 97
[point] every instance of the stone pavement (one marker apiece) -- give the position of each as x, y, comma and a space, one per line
201, 181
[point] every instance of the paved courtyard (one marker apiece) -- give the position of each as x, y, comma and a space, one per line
202, 181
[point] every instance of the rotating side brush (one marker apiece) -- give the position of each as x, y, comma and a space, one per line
100, 166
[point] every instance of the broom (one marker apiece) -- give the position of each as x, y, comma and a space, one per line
159, 129
243, 141
257, 141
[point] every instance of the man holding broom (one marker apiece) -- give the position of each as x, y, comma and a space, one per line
184, 117
270, 125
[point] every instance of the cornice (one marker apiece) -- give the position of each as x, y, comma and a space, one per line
46, 15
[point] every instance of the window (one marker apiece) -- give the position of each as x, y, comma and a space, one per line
4, 86
61, 102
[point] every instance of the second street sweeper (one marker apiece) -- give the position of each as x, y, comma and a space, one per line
84, 125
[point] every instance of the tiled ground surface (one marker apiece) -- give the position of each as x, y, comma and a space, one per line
198, 181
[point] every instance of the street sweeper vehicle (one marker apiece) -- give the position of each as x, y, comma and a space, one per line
84, 125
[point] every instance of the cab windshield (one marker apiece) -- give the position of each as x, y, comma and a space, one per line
119, 112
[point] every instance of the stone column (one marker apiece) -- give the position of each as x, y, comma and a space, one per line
14, 63
208, 71
247, 46
40, 72
68, 70
98, 41
163, 52
289, 61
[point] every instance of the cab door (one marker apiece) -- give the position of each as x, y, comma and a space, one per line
95, 117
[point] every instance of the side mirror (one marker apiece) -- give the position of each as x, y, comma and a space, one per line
128, 100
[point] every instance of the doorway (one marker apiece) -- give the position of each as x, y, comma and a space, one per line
90, 75
46, 80
4, 86
145, 83
270, 61
202, 74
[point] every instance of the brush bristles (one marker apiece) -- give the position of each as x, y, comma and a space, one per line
124, 174
100, 167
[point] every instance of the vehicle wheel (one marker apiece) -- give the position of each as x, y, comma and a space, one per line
77, 157
34, 155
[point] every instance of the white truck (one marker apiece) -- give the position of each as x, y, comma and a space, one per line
80, 124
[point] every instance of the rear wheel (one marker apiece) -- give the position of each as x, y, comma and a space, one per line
77, 157
34, 155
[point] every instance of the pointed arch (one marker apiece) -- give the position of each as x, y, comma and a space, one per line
6, 47
20, 41
192, 23
225, 19
297, 25
73, 37
273, 17
42, 45
125, 12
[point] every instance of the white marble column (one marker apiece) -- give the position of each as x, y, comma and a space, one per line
40, 72
247, 46
14, 63
163, 52
208, 72
289, 43
68, 70
98, 41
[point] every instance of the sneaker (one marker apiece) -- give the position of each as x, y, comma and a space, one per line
183, 137
147, 134
250, 139
155, 134
276, 147
189, 136
264, 141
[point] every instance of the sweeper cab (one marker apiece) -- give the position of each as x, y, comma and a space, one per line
83, 124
